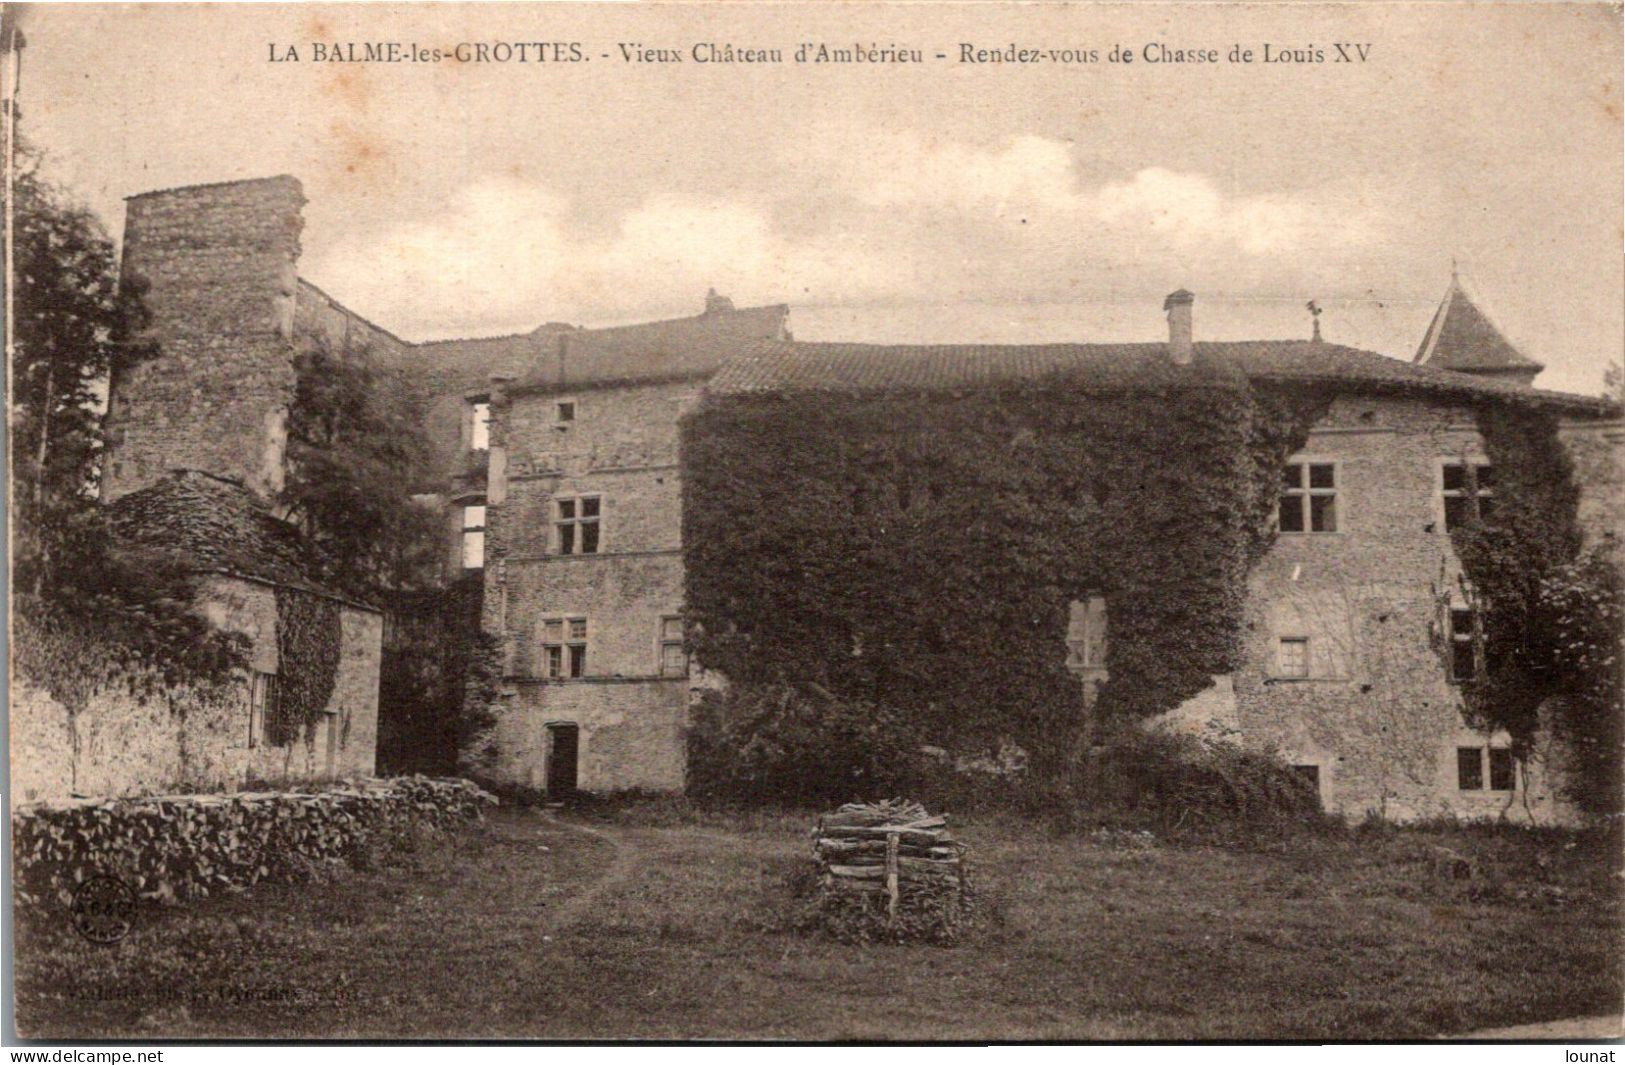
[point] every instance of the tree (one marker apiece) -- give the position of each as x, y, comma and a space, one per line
69, 321
356, 454
72, 577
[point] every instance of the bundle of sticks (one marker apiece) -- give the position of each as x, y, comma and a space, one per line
884, 847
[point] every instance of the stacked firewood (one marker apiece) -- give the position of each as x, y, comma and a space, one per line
887, 848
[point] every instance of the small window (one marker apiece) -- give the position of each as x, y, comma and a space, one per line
262, 705
1310, 775
673, 660
1472, 763
479, 426
1294, 656
577, 524
1465, 661
1468, 490
564, 647
1503, 775
474, 537
1470, 768
1308, 497
1086, 634
565, 411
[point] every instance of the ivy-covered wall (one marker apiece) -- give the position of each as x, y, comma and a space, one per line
920, 550
125, 729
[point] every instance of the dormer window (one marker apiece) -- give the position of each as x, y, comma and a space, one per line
479, 425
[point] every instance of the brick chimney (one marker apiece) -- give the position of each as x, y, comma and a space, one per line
1178, 306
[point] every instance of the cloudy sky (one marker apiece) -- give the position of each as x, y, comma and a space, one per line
941, 202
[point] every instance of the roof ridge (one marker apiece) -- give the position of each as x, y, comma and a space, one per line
532, 334
216, 185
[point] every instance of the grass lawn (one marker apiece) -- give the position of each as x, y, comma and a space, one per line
530, 928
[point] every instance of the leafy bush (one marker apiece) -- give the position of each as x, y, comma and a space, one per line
171, 847
796, 744
1178, 782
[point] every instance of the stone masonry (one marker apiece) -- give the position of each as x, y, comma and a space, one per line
1368, 706
1376, 712
142, 738
217, 266
620, 447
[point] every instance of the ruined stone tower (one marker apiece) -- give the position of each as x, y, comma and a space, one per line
217, 265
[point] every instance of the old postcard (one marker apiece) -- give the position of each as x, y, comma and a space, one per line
806, 522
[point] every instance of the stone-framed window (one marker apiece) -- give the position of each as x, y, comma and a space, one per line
564, 647
1486, 768
673, 659
1308, 497
474, 536
1466, 644
263, 703
577, 524
1466, 491
479, 425
564, 412
1292, 657
1086, 634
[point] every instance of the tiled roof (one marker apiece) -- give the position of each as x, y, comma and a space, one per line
453, 366
558, 356
678, 347
1462, 337
219, 527
792, 367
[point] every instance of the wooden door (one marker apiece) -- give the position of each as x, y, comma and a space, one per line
562, 750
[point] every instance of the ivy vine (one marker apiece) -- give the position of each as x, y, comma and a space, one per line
919, 551
309, 634
1548, 631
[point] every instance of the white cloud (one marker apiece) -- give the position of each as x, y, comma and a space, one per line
1034, 171
1036, 178
936, 220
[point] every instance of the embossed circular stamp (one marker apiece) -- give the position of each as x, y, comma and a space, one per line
103, 909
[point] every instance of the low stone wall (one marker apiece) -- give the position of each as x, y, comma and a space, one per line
186, 846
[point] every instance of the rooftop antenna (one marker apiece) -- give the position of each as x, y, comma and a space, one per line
1314, 312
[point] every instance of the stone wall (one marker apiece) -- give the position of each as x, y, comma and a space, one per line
1595, 448
318, 316
217, 264
1378, 713
138, 735
621, 446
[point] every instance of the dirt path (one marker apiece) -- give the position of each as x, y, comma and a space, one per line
1604, 1027
625, 858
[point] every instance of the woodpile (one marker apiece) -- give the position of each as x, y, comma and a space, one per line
888, 848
